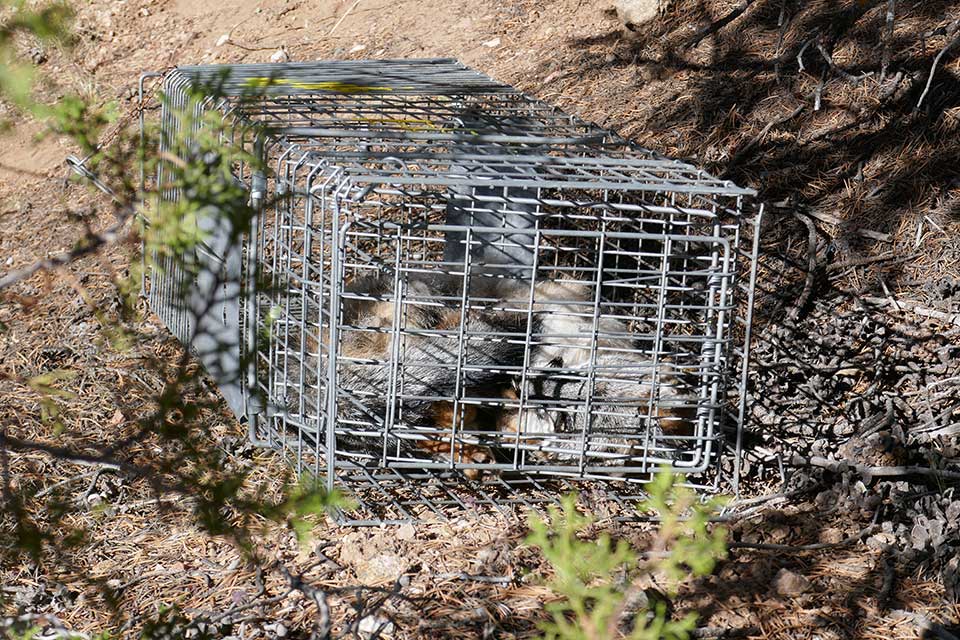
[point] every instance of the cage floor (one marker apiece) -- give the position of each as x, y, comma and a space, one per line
393, 497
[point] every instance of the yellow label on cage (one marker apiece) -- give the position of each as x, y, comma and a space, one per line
407, 124
338, 87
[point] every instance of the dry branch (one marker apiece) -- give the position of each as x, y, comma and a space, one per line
764, 546
951, 30
717, 25
916, 308
91, 244
873, 472
888, 39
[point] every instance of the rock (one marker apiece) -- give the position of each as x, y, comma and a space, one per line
222, 40
492, 43
357, 48
790, 584
831, 536
406, 532
351, 552
881, 541
635, 13
280, 55
380, 569
919, 534
375, 626
37, 56
953, 511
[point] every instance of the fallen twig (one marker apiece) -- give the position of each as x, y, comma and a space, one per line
887, 39
718, 633
343, 17
802, 49
92, 243
952, 29
717, 25
873, 472
811, 267
71, 479
476, 578
833, 67
781, 33
916, 308
764, 546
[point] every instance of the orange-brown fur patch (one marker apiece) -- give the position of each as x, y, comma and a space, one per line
443, 416
677, 421
449, 320
508, 418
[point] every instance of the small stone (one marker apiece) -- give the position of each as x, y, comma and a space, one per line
919, 535
222, 40
779, 534
953, 511
144, 12
406, 532
635, 13
881, 541
357, 48
375, 625
280, 55
790, 584
492, 43
381, 569
37, 55
831, 536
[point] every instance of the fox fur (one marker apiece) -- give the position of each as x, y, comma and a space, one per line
603, 414
554, 420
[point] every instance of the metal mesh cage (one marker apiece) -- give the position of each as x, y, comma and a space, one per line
451, 285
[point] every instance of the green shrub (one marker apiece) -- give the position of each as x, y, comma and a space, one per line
597, 581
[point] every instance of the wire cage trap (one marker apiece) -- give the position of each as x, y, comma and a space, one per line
454, 294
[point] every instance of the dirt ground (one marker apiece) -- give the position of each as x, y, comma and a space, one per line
836, 553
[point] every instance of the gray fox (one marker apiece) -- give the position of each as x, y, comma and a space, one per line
589, 388
414, 373
399, 387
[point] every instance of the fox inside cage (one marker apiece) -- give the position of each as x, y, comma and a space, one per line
446, 275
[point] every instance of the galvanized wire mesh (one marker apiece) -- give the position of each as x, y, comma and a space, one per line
452, 285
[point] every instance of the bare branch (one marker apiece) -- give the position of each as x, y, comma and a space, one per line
874, 472
888, 39
717, 25
952, 29
91, 244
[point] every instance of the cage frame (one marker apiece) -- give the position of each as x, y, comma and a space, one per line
334, 79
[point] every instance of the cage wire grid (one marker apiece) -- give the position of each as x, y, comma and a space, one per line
456, 296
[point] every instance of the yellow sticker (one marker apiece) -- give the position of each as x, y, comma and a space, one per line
338, 87
407, 124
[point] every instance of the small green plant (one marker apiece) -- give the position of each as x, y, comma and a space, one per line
38, 525
597, 581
